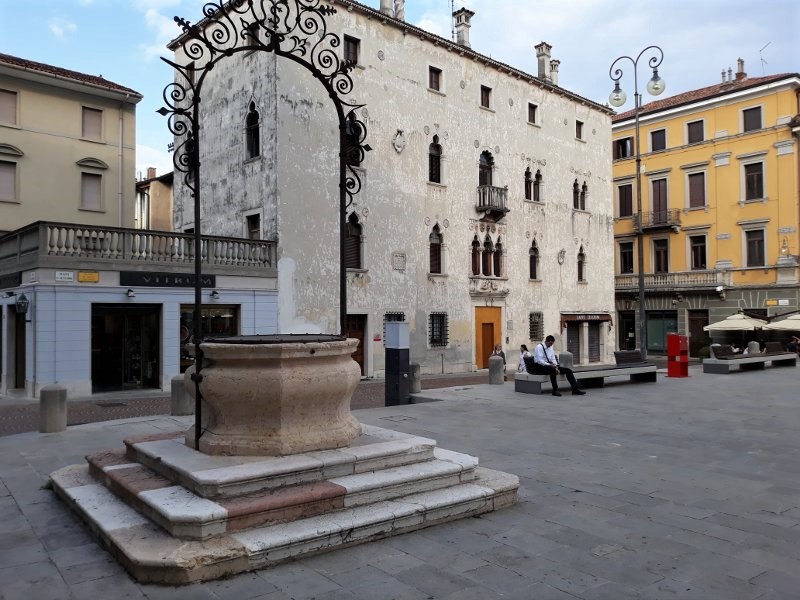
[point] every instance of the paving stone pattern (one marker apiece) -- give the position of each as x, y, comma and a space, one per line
687, 489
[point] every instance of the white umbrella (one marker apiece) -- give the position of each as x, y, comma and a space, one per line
789, 324
737, 322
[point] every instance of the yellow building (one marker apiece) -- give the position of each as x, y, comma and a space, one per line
719, 207
67, 146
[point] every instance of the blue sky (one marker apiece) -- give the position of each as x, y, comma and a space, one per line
122, 40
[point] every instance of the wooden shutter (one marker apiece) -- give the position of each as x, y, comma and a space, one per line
91, 191
352, 251
8, 181
8, 107
697, 190
92, 123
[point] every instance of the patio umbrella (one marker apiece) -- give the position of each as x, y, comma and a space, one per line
791, 323
737, 322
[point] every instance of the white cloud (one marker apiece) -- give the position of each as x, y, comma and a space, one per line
61, 27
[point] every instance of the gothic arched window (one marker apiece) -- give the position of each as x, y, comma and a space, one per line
476, 256
252, 127
537, 187
352, 243
581, 265
533, 255
435, 161
435, 241
528, 185
497, 263
576, 195
488, 250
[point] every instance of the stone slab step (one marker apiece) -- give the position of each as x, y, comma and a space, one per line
230, 476
186, 515
152, 555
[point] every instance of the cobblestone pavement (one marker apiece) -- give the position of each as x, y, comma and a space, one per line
24, 416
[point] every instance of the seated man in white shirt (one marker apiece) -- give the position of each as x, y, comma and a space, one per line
545, 362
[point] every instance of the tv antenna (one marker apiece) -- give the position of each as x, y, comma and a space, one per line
452, 20
761, 58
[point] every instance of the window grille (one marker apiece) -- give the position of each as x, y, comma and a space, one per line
438, 333
536, 326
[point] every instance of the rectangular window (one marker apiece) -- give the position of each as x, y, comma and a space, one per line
625, 257
435, 79
438, 334
661, 256
8, 181
391, 317
532, 112
536, 326
697, 245
697, 190
658, 140
352, 47
92, 124
625, 193
254, 227
623, 148
91, 191
751, 119
8, 107
660, 201
754, 181
579, 129
694, 132
755, 247
486, 97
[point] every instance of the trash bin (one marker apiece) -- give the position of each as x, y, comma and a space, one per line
677, 355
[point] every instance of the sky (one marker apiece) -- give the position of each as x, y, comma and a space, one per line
122, 40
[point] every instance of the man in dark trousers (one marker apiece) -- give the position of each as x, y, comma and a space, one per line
545, 362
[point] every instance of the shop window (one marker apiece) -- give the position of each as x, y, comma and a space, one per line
216, 321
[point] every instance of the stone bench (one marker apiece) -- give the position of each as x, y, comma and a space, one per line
723, 364
629, 363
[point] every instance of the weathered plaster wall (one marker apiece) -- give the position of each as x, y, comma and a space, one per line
397, 207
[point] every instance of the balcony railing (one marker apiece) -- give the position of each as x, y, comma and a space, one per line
45, 244
674, 281
658, 219
492, 201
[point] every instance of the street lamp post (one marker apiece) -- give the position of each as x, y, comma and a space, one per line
617, 98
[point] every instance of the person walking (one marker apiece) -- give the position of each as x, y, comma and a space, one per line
545, 362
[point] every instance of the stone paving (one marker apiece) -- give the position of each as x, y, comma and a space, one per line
687, 488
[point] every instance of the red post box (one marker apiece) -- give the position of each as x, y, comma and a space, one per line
677, 355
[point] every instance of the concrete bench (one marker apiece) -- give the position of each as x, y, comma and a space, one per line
748, 362
628, 363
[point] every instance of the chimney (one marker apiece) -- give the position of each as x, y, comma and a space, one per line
543, 58
740, 74
400, 9
151, 172
462, 17
723, 75
386, 7
730, 74
554, 70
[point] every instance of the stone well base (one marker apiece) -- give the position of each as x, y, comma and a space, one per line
173, 515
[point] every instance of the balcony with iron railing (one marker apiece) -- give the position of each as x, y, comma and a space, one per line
707, 280
70, 245
658, 219
492, 201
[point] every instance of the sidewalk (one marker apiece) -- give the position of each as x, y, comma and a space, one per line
687, 488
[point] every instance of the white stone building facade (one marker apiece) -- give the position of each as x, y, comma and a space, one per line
522, 244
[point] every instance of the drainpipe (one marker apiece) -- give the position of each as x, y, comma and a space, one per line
119, 158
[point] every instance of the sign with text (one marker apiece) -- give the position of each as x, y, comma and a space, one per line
150, 279
65, 276
88, 277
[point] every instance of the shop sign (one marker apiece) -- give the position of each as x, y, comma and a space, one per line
777, 302
150, 279
65, 276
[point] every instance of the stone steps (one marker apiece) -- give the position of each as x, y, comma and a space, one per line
152, 555
172, 515
184, 514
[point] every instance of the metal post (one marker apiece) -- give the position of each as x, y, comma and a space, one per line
617, 99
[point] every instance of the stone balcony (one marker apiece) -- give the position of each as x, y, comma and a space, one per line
71, 245
492, 202
667, 282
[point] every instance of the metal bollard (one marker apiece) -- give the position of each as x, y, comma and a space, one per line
497, 370
414, 379
52, 408
181, 403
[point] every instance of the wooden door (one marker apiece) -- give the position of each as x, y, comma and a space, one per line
356, 328
574, 341
594, 342
487, 342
